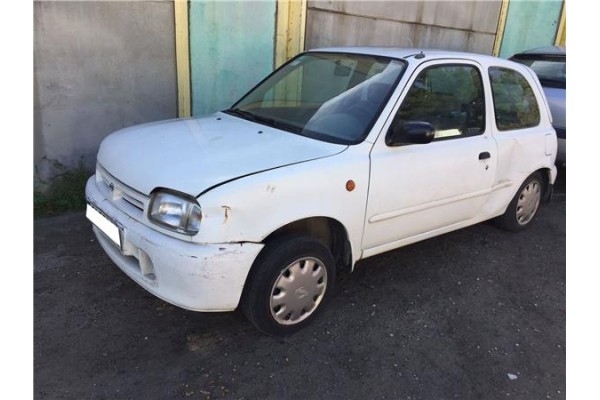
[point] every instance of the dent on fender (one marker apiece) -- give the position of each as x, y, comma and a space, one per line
515, 151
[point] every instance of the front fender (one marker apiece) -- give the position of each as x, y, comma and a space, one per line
249, 209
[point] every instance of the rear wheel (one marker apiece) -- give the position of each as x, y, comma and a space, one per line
289, 284
524, 206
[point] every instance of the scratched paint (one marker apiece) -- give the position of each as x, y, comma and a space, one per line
227, 212
231, 49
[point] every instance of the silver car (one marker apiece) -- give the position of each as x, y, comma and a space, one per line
550, 65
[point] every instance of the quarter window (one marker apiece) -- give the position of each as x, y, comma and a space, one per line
515, 105
450, 98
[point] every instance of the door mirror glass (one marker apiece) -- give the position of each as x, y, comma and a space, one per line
412, 132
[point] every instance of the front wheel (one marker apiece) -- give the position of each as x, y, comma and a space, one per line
289, 283
524, 206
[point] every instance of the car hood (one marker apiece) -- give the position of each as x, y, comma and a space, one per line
195, 154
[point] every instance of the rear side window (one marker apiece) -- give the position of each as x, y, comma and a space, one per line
515, 105
552, 73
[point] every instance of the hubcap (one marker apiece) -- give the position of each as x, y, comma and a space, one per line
528, 202
298, 291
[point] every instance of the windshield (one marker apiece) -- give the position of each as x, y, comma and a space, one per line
326, 96
551, 72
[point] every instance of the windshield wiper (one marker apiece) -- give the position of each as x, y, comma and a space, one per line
264, 120
243, 114
278, 124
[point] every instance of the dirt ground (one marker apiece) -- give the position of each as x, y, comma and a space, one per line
474, 314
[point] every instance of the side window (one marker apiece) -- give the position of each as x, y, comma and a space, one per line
515, 105
450, 98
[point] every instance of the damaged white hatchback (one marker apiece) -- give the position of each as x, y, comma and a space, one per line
338, 155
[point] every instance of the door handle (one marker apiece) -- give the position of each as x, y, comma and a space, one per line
484, 155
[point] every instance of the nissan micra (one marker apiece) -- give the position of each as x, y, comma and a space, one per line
338, 155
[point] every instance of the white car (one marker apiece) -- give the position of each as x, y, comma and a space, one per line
338, 155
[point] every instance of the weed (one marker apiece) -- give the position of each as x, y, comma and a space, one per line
65, 193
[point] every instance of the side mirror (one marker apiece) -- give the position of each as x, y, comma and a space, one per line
412, 132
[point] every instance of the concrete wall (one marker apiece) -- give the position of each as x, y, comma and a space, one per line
232, 47
456, 25
98, 67
530, 24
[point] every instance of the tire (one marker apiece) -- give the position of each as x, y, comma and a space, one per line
523, 208
278, 305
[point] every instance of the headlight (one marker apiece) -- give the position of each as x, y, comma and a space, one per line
175, 211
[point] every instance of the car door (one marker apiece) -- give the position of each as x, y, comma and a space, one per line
420, 190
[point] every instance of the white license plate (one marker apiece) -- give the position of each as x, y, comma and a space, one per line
110, 229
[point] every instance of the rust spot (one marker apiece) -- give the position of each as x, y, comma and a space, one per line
227, 212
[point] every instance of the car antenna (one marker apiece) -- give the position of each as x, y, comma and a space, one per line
417, 56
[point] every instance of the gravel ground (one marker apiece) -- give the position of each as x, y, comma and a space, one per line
474, 314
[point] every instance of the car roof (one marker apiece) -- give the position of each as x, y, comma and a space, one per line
547, 50
413, 53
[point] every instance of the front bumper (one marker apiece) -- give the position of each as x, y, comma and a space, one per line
199, 277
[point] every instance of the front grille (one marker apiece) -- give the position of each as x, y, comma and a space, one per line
125, 198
